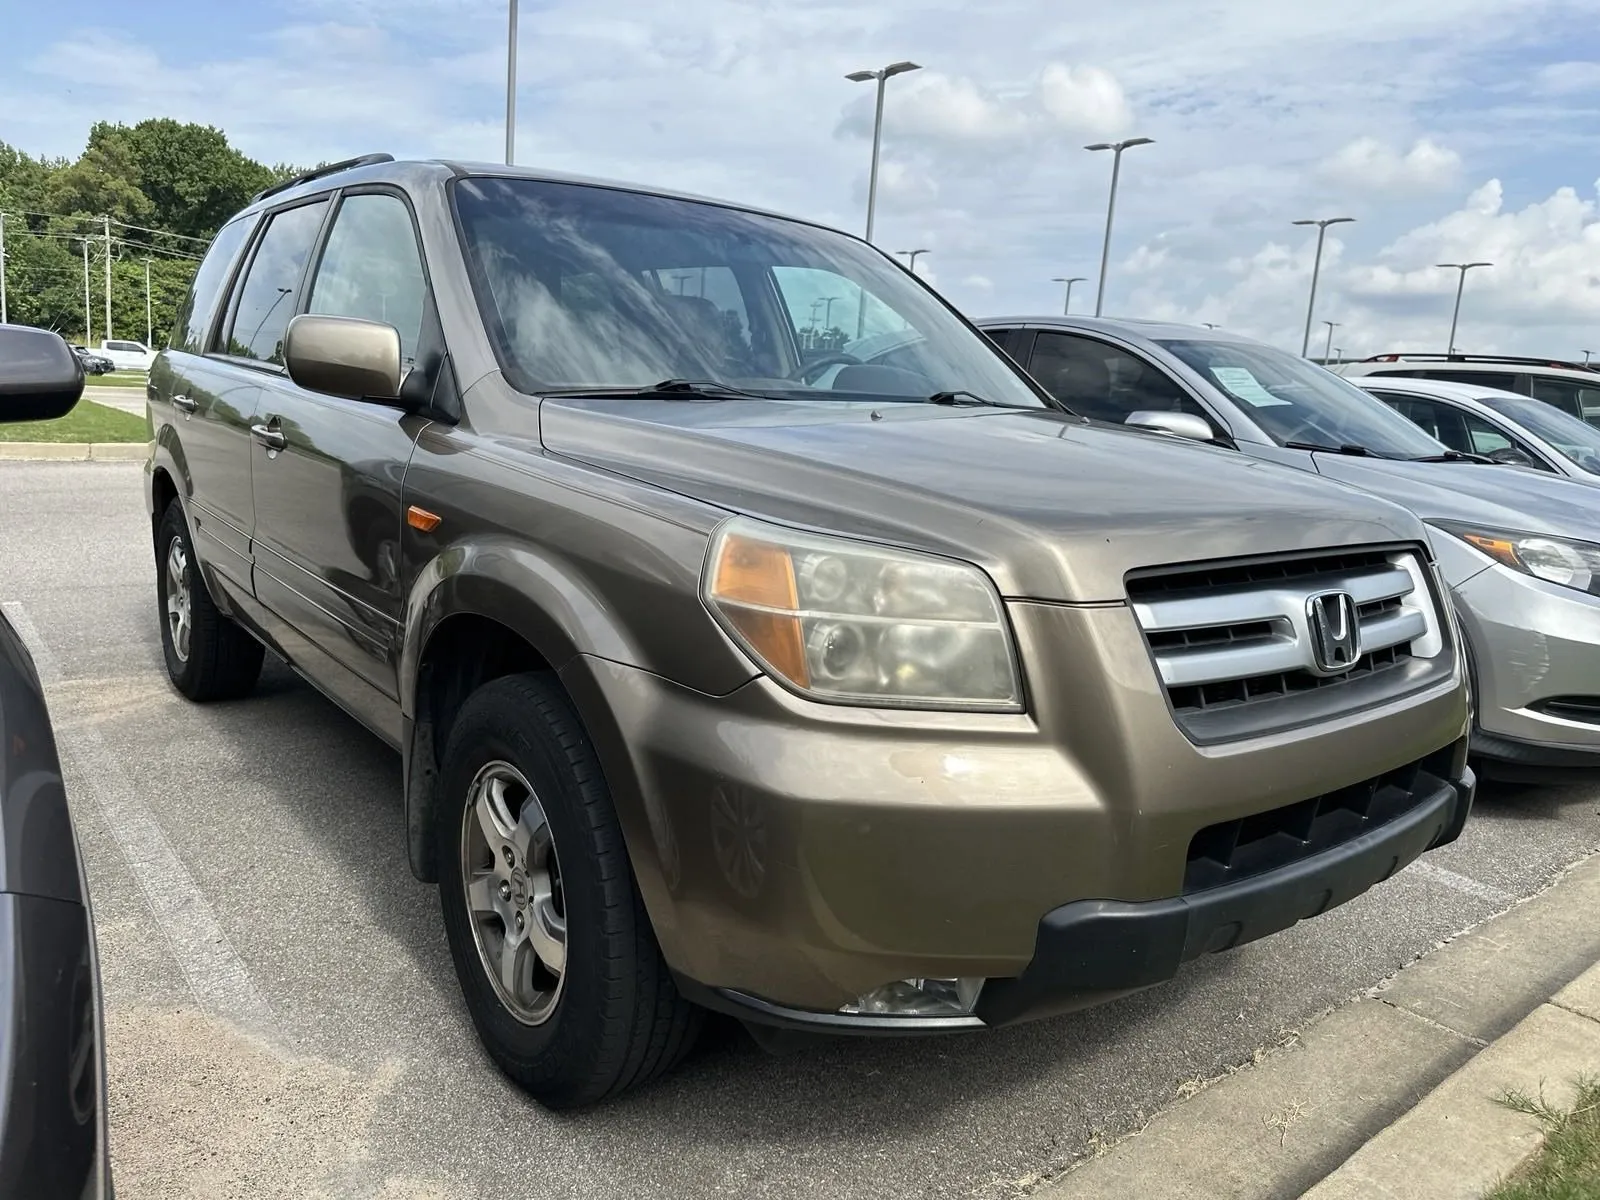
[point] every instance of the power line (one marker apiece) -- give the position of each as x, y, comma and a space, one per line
162, 232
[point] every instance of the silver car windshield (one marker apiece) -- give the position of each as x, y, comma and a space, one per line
591, 287
1578, 440
1293, 400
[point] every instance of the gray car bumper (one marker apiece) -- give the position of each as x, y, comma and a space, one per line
1536, 653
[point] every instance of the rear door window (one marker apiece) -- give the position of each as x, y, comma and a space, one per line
270, 291
194, 317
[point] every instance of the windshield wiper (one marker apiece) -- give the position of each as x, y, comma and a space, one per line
1453, 456
1348, 448
960, 396
668, 388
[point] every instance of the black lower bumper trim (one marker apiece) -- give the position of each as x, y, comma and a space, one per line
1094, 950
1534, 762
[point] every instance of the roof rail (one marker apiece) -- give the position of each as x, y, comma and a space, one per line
1404, 356
344, 164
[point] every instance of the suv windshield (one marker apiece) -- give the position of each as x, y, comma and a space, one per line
585, 287
1297, 401
1578, 440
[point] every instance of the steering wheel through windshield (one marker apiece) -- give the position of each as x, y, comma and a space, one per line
816, 366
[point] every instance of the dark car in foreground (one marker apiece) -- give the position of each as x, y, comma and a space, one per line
729, 671
52, 1066
1518, 547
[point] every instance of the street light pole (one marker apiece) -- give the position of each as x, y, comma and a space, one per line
911, 256
882, 76
1066, 307
88, 330
827, 311
1461, 283
1111, 205
148, 335
511, 81
1586, 353
1338, 353
1316, 269
1327, 353
3, 269
109, 334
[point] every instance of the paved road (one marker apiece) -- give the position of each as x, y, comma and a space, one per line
283, 1020
128, 399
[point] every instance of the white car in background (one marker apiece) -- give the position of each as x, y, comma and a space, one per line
1500, 425
1572, 387
128, 356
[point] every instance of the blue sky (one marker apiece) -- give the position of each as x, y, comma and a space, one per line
1450, 128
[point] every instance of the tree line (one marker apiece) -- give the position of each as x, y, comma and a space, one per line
150, 195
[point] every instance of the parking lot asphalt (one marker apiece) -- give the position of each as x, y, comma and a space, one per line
282, 1018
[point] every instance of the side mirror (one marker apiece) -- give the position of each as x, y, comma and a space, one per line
40, 377
1511, 456
1184, 425
344, 356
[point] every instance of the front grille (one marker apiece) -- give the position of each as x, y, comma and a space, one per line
1233, 641
1233, 850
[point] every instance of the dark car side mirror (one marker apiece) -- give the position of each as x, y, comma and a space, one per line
1184, 425
344, 356
40, 377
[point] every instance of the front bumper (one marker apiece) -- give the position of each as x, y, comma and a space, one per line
807, 854
1531, 643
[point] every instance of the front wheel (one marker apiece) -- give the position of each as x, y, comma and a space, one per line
556, 958
208, 656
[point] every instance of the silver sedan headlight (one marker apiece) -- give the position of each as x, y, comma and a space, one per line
1564, 561
859, 624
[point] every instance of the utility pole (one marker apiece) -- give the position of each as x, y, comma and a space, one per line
88, 330
1316, 269
1116, 149
1327, 353
1066, 306
3, 269
148, 336
511, 82
107, 221
1461, 283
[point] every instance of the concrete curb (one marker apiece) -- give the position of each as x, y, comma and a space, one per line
74, 451
1302, 1113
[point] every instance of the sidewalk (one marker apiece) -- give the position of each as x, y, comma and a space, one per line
1393, 1095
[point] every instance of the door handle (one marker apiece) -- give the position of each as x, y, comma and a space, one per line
269, 436
185, 405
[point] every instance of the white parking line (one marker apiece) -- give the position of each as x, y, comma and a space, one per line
1461, 883
216, 975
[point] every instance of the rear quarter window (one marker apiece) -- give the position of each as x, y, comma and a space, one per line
199, 306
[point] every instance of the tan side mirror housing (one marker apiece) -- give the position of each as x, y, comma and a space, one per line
344, 356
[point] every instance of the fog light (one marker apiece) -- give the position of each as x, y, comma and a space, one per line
920, 998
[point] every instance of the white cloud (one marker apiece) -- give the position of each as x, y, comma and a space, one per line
1368, 165
978, 283
1084, 99
1563, 78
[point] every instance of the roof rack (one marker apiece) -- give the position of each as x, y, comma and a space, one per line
344, 164
1403, 356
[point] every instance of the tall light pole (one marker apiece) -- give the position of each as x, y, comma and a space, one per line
1066, 306
107, 220
1316, 269
1338, 353
1461, 283
827, 311
882, 75
88, 331
511, 80
3, 270
911, 258
1327, 352
1111, 206
1586, 353
148, 336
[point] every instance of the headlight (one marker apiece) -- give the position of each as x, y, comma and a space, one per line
1555, 560
852, 623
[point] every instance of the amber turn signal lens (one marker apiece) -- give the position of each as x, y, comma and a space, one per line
421, 518
750, 579
1498, 549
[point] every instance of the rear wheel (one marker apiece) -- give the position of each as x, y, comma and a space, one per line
556, 958
208, 656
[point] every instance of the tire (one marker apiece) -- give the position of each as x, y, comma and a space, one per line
612, 1018
208, 656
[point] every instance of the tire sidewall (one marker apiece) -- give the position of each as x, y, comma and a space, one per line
518, 739
175, 527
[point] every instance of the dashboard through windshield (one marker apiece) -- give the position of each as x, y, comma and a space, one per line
591, 287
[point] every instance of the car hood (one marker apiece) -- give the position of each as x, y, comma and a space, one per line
1051, 508
1498, 497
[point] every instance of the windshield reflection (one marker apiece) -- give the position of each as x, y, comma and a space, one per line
1578, 440
1293, 400
587, 287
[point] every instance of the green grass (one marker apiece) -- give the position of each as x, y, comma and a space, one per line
87, 422
116, 379
1567, 1167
